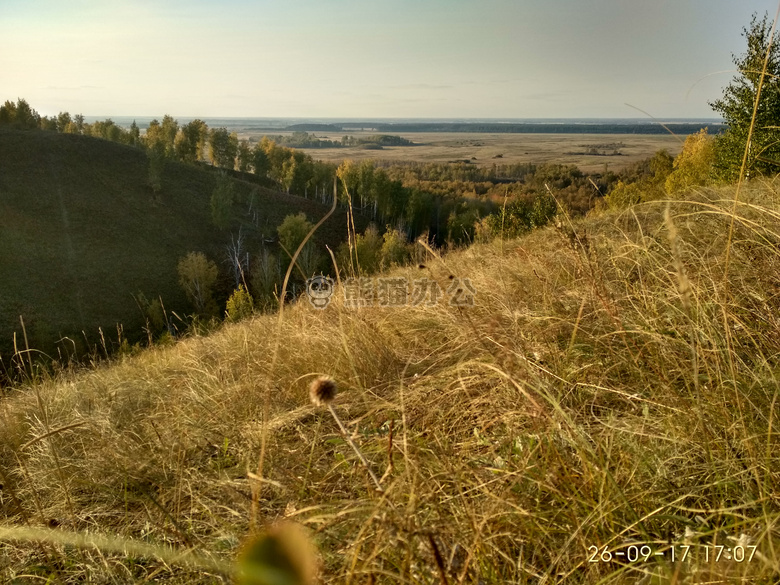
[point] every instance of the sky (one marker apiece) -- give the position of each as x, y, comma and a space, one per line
373, 58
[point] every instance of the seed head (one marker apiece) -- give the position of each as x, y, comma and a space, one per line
322, 390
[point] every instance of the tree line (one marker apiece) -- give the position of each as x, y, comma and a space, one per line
443, 201
300, 139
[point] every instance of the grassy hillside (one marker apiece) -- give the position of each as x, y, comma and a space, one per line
615, 385
80, 233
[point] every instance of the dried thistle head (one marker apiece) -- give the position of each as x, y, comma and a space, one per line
323, 390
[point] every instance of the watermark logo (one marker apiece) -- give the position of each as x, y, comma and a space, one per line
399, 292
391, 292
319, 289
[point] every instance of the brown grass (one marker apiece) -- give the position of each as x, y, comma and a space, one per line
606, 390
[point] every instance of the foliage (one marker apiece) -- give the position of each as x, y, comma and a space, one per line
260, 163
644, 184
693, 166
19, 115
395, 251
301, 139
197, 276
244, 158
191, 140
223, 148
518, 217
134, 136
365, 256
63, 119
168, 131
738, 101
293, 230
266, 276
154, 139
239, 305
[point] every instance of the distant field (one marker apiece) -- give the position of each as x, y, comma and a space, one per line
483, 149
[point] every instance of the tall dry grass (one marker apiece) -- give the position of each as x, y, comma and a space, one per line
609, 388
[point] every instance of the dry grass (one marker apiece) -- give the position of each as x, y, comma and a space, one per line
609, 387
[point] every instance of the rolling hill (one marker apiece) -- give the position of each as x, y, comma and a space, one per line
81, 233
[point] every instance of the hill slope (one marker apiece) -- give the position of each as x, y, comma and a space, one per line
80, 233
609, 393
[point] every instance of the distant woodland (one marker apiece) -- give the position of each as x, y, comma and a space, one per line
444, 201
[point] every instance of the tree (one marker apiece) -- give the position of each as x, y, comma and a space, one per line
134, 136
276, 156
365, 256
244, 157
47, 123
292, 230
223, 148
7, 113
197, 276
168, 130
289, 173
260, 162
63, 119
395, 249
20, 115
266, 275
154, 139
190, 141
237, 258
349, 176
737, 104
26, 117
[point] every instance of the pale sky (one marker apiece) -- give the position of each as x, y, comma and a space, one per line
372, 58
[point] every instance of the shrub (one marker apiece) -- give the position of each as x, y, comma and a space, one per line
293, 230
366, 255
693, 166
239, 305
197, 276
395, 249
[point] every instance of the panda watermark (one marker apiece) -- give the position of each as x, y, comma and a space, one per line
391, 292
319, 289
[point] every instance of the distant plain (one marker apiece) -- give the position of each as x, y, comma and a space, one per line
484, 149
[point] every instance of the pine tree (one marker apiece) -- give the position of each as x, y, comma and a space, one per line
737, 104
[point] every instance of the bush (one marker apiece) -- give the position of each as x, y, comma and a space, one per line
197, 276
293, 230
239, 305
395, 249
519, 217
366, 256
694, 165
